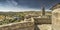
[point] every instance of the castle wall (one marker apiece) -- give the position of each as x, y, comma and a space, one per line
18, 26
56, 19
43, 20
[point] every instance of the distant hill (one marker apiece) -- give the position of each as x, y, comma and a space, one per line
26, 13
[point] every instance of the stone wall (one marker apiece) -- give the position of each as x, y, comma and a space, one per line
18, 26
43, 21
56, 19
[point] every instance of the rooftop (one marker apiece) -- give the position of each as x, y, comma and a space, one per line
56, 6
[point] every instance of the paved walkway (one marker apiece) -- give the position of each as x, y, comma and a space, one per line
43, 27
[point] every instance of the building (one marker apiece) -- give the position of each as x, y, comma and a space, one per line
56, 17
43, 19
56, 6
43, 11
40, 19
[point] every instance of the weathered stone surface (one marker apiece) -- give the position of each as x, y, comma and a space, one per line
18, 26
56, 19
45, 27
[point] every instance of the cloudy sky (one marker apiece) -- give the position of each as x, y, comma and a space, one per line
26, 5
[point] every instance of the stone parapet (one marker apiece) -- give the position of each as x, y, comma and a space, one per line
56, 19
24, 25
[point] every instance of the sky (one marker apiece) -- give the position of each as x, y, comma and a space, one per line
26, 5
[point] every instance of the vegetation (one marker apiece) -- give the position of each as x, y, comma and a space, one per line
16, 16
11, 17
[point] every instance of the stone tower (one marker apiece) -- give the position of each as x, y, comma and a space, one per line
43, 11
56, 17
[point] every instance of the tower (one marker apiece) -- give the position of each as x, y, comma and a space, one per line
43, 11
56, 17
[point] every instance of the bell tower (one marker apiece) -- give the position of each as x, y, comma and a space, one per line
43, 11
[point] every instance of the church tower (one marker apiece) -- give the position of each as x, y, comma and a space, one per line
43, 11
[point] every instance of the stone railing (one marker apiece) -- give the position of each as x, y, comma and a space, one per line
24, 25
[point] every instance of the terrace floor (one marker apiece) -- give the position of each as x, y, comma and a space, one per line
43, 27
